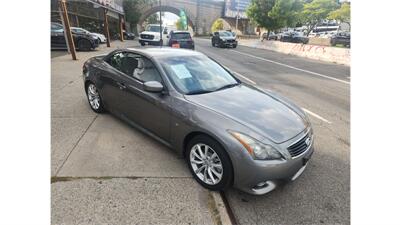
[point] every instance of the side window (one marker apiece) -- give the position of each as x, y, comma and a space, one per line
115, 61
146, 71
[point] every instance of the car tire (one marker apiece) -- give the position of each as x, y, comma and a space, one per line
94, 99
84, 45
234, 46
219, 166
212, 43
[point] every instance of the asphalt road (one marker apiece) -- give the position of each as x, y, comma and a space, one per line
105, 172
322, 194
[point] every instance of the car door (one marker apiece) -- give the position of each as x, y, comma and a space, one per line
149, 110
111, 83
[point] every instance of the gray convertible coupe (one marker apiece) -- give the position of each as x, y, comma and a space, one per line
230, 133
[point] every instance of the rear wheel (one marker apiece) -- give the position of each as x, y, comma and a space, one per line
209, 163
84, 45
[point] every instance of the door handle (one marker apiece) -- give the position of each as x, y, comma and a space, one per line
121, 85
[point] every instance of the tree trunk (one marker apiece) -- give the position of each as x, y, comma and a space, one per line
269, 31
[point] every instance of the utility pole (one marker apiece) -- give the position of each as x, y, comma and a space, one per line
237, 15
161, 31
67, 29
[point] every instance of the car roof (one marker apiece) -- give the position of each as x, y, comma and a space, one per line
164, 51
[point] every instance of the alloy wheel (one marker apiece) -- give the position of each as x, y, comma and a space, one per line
93, 96
206, 164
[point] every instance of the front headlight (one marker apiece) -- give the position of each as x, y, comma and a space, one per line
255, 148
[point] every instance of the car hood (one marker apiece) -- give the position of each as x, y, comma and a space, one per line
151, 33
265, 114
228, 38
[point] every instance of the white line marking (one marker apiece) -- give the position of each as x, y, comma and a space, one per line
295, 68
242, 76
316, 116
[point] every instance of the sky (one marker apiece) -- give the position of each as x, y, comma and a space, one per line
169, 18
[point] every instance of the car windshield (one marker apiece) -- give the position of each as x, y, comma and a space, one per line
225, 34
153, 28
197, 74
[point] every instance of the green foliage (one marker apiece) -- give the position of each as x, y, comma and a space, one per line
152, 19
342, 14
133, 10
287, 13
217, 25
315, 11
179, 25
258, 12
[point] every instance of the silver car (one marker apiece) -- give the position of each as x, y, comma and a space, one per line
229, 132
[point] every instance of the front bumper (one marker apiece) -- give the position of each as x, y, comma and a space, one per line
150, 42
262, 176
229, 44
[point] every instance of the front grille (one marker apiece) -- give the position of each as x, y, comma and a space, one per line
300, 146
147, 36
230, 41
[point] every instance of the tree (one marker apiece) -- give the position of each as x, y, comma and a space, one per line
342, 14
154, 18
179, 25
133, 10
315, 11
258, 11
217, 25
286, 12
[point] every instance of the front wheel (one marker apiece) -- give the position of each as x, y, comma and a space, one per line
94, 98
209, 163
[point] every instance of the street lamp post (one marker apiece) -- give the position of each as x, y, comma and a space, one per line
161, 41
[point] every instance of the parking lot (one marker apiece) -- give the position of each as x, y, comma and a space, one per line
106, 172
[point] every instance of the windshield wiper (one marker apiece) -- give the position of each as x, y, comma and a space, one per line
226, 86
198, 92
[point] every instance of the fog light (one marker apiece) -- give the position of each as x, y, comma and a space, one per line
261, 184
264, 187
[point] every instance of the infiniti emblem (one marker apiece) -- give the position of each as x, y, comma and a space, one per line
308, 141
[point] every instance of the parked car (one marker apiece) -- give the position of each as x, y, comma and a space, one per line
128, 35
151, 35
272, 36
229, 132
294, 37
223, 39
180, 39
83, 42
100, 37
341, 38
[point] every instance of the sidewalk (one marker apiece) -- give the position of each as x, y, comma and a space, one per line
106, 172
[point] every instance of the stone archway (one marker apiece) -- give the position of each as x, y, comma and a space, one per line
163, 8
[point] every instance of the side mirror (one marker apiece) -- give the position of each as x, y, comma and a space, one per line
153, 86
211, 34
167, 36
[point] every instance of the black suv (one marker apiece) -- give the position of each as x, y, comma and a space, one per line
180, 39
223, 39
82, 41
341, 38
